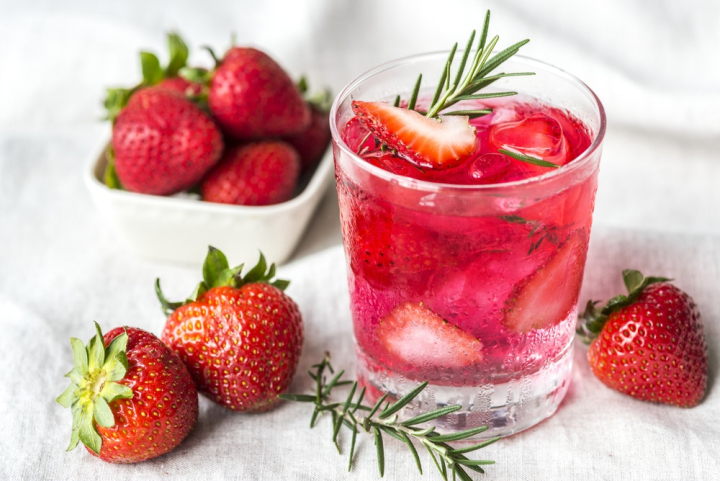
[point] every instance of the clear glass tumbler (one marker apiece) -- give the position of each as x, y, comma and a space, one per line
473, 288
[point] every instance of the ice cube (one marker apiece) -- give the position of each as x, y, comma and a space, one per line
489, 168
538, 135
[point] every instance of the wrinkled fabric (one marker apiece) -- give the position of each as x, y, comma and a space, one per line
654, 66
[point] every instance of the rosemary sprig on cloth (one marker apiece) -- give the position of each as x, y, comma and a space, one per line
382, 419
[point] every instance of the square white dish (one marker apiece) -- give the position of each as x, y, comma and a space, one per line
179, 230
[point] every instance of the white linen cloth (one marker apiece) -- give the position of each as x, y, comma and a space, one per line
653, 64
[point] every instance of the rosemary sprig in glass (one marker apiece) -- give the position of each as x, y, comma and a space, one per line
382, 418
466, 84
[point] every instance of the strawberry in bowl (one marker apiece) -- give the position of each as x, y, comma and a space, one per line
201, 157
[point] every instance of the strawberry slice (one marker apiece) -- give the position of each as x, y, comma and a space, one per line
412, 337
432, 143
547, 296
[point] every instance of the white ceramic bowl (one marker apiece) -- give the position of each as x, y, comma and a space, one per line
181, 229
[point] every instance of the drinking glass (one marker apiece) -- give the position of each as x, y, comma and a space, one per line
501, 264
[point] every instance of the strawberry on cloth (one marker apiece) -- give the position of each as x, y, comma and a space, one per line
132, 398
240, 336
649, 343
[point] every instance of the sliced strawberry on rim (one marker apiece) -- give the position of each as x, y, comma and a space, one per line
432, 143
547, 296
412, 337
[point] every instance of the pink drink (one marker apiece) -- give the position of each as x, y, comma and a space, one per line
468, 278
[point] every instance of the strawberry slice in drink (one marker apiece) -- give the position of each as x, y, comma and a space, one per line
546, 297
431, 143
413, 339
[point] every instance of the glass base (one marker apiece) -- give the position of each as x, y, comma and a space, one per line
506, 407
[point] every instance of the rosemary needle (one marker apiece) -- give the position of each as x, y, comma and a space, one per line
381, 418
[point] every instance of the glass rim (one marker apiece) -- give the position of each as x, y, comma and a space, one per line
563, 170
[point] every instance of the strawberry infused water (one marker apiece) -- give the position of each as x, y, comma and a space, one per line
466, 235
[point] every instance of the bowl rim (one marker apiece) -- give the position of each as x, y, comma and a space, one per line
319, 180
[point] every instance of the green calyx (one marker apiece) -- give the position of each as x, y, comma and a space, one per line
593, 319
110, 176
218, 273
93, 386
117, 98
321, 101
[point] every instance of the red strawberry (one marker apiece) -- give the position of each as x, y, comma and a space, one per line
649, 344
240, 337
260, 173
132, 398
432, 143
163, 143
548, 295
312, 142
182, 86
411, 335
251, 97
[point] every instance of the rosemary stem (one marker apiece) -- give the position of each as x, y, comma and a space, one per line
368, 425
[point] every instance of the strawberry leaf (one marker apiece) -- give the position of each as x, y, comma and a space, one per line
178, 54
80, 355
632, 278
93, 386
196, 75
87, 432
592, 321
110, 176
217, 273
167, 306
75, 436
117, 346
214, 265
115, 100
102, 413
151, 71
258, 272
199, 291
114, 390
66, 398
96, 350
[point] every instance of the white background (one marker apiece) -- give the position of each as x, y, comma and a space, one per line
655, 66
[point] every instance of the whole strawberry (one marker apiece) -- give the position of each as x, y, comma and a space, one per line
131, 397
163, 143
240, 336
259, 173
251, 97
650, 343
312, 142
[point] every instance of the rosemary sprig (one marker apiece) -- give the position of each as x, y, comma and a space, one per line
382, 419
528, 159
465, 84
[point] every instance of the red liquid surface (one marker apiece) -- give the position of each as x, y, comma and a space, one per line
472, 270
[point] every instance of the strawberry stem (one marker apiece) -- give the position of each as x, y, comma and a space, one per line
218, 273
93, 384
593, 320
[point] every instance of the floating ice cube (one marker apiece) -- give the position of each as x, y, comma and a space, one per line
538, 135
